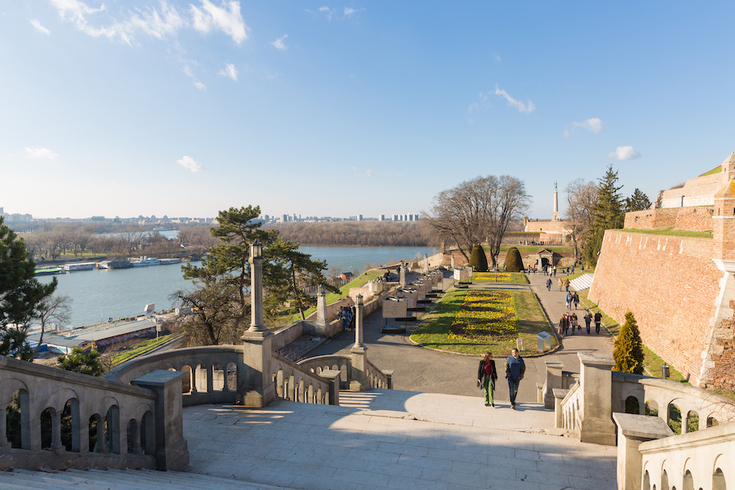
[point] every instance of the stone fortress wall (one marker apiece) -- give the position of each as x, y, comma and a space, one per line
681, 289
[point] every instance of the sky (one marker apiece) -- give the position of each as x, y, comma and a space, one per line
183, 108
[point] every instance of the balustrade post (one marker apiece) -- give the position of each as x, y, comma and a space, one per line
596, 425
321, 309
4, 443
553, 381
389, 374
633, 430
333, 376
56, 431
359, 364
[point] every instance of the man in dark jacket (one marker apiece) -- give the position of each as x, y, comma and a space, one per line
598, 321
515, 368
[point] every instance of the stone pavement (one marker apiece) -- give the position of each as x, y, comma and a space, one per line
392, 439
424, 370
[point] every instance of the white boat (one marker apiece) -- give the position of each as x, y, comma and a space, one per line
145, 262
170, 261
79, 266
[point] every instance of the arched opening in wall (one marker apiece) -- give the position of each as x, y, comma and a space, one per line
646, 481
70, 425
147, 434
632, 405
688, 483
133, 433
692, 421
17, 421
711, 422
95, 424
112, 430
186, 381
231, 377
664, 481
652, 408
46, 421
674, 418
218, 377
718, 480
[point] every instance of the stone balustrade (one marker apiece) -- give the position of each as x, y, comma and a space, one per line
295, 383
343, 364
109, 424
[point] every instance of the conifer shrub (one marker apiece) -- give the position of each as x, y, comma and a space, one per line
478, 259
513, 261
628, 353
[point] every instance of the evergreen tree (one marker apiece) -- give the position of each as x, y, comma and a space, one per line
607, 214
478, 259
628, 353
79, 361
21, 295
513, 260
637, 202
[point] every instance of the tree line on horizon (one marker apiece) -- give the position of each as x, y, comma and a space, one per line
355, 233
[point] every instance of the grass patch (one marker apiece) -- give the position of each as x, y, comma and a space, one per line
360, 280
715, 170
671, 231
434, 331
726, 394
502, 277
142, 348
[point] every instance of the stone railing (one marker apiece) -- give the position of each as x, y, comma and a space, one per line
111, 424
213, 373
376, 378
380, 379
295, 383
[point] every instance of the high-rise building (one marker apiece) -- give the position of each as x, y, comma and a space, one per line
382, 216
359, 217
395, 217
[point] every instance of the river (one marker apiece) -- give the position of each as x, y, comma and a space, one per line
98, 295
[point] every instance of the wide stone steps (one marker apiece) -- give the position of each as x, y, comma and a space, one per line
120, 480
582, 282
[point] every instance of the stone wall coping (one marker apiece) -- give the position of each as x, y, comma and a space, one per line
560, 393
159, 378
706, 437
680, 388
595, 359
60, 376
641, 426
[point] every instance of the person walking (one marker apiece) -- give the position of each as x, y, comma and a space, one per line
566, 284
569, 300
548, 284
598, 321
588, 320
561, 283
515, 369
575, 299
486, 376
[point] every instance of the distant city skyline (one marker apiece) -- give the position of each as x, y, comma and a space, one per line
188, 107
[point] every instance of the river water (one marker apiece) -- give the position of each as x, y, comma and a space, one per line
98, 295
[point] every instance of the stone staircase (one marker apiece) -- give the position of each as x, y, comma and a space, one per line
119, 480
582, 282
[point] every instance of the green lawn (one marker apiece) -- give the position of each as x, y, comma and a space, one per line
672, 232
142, 348
434, 329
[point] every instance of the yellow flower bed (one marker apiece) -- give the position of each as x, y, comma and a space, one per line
485, 313
491, 277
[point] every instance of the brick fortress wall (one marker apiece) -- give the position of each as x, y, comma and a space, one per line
693, 219
670, 284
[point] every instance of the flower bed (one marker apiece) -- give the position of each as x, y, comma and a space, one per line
485, 313
500, 277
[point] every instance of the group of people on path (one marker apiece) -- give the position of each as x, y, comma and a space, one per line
487, 374
347, 315
569, 320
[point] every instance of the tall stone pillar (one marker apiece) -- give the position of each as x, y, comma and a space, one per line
595, 377
426, 263
555, 214
255, 386
452, 261
321, 307
359, 367
553, 381
402, 274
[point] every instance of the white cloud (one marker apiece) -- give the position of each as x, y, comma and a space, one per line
167, 23
527, 107
226, 18
473, 107
483, 104
368, 173
349, 11
624, 153
229, 71
327, 11
35, 23
40, 153
593, 125
279, 44
190, 163
200, 86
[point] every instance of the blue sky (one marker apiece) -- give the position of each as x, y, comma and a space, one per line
183, 108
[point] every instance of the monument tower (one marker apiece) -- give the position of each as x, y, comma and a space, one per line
555, 215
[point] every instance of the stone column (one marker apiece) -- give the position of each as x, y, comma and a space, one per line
3, 431
402, 275
633, 430
359, 368
595, 380
56, 432
321, 308
257, 389
426, 263
553, 380
172, 452
333, 376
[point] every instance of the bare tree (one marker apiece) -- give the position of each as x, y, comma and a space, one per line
581, 198
477, 211
53, 309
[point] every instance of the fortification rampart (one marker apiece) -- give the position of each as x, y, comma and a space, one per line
698, 218
671, 285
698, 191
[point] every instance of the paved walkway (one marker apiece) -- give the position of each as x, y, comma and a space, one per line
392, 439
424, 370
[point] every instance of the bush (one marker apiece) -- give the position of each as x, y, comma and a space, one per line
628, 353
478, 259
513, 261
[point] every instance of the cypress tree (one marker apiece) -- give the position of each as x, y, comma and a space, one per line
628, 353
478, 259
513, 261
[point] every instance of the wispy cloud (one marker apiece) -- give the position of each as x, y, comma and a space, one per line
229, 71
37, 24
191, 164
200, 85
226, 18
333, 13
40, 153
279, 44
527, 107
593, 125
624, 153
349, 12
483, 104
326, 11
